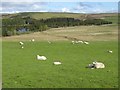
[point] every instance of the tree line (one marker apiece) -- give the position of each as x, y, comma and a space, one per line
16, 26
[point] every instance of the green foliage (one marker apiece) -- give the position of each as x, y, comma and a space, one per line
113, 19
15, 25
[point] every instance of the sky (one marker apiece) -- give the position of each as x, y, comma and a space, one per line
48, 6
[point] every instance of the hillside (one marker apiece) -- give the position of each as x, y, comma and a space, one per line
90, 33
44, 15
27, 22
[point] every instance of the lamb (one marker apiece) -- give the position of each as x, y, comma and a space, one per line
57, 63
41, 57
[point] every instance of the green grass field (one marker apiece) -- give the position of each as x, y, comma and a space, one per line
21, 69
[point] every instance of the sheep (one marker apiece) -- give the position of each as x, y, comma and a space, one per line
33, 40
22, 47
21, 43
110, 51
96, 65
41, 57
86, 42
73, 42
80, 42
57, 63
77, 42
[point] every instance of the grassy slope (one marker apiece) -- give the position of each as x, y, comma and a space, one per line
43, 15
90, 33
21, 69
54, 15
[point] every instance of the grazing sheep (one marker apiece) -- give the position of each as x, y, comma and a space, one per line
110, 51
57, 63
77, 42
96, 65
80, 42
21, 43
41, 57
22, 47
73, 42
86, 42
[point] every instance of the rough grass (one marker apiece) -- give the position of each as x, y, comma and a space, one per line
113, 19
54, 15
91, 33
21, 69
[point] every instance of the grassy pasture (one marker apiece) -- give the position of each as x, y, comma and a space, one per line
21, 69
54, 15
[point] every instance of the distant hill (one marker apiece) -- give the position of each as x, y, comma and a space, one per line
18, 23
113, 17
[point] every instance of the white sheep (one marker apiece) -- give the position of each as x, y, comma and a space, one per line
57, 63
33, 40
41, 57
110, 51
21, 43
22, 47
98, 65
86, 42
80, 42
73, 42
76, 42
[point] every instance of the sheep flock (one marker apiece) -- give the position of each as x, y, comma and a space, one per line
93, 65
